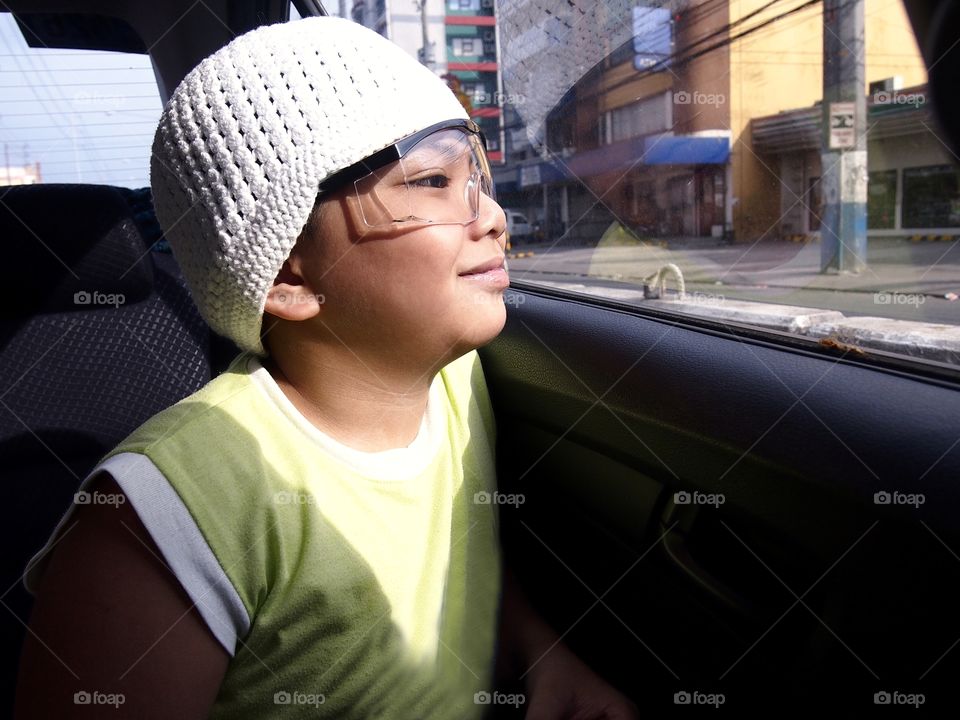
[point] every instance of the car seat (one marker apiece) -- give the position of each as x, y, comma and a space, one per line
97, 333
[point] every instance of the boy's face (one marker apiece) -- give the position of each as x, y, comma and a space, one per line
407, 291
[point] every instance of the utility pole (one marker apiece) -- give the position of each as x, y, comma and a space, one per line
343, 8
425, 53
843, 157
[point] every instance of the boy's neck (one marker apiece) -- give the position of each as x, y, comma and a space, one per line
364, 408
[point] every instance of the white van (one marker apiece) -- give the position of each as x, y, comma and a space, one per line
517, 225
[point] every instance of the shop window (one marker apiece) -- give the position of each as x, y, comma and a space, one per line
930, 197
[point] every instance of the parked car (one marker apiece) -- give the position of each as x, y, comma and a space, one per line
517, 225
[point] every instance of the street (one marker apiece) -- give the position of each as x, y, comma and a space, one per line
920, 274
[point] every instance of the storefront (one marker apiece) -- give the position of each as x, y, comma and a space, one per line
913, 188
659, 185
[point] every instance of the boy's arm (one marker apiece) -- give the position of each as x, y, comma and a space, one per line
558, 684
112, 630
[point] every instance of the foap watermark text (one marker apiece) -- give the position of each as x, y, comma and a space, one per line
698, 498
83, 297
295, 697
498, 498
83, 497
498, 698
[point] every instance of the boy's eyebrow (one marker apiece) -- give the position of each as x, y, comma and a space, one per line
441, 152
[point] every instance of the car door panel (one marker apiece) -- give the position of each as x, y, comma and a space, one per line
797, 583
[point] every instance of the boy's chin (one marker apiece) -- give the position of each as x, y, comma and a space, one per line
484, 322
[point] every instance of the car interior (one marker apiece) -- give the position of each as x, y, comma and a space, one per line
786, 585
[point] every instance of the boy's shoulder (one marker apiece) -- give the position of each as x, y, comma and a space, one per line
224, 398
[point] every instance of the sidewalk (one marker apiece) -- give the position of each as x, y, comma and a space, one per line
894, 265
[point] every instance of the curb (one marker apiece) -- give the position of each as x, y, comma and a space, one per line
932, 238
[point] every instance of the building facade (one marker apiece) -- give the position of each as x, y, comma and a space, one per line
457, 39
21, 174
473, 59
913, 186
659, 136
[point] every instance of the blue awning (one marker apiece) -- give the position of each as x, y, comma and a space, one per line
685, 150
650, 150
618, 157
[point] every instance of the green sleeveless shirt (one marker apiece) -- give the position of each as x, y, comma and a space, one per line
343, 584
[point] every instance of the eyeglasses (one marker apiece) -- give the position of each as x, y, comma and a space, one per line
433, 176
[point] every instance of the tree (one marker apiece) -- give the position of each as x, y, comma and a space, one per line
453, 82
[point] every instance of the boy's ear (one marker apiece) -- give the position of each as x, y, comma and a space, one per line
291, 298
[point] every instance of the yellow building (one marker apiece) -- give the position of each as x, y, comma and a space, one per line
668, 149
779, 69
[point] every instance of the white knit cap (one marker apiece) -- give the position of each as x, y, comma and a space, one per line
249, 134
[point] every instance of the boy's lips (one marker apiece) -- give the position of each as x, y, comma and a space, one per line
491, 271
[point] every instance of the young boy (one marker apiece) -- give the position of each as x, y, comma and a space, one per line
305, 535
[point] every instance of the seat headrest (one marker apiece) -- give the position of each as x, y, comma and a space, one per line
70, 247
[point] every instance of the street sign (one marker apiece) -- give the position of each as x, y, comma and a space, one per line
842, 132
529, 175
652, 37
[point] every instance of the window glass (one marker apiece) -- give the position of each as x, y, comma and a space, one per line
882, 199
930, 197
639, 118
467, 46
701, 135
75, 116
472, 7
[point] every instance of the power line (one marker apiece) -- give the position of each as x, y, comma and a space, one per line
76, 84
84, 112
83, 53
90, 69
708, 8
105, 169
44, 162
676, 58
59, 141
37, 66
727, 28
120, 147
89, 125
91, 98
27, 57
820, 54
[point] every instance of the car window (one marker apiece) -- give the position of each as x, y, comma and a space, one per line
646, 148
75, 116
657, 141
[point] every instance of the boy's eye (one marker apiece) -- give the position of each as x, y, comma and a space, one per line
432, 181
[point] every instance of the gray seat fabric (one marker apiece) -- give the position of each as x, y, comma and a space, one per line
97, 333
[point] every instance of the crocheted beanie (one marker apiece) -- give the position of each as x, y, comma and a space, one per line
250, 133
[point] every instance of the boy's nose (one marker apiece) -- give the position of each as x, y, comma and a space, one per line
491, 221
